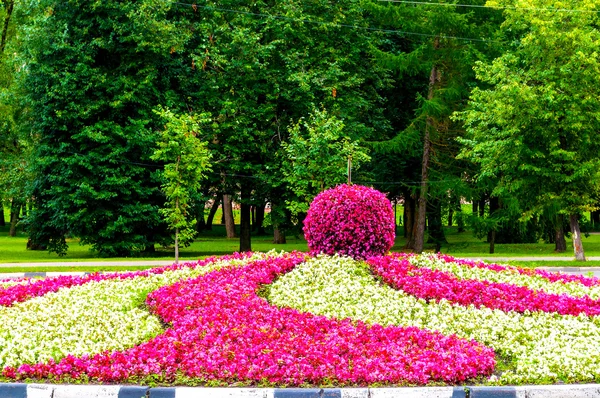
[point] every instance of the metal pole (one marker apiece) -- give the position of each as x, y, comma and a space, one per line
349, 170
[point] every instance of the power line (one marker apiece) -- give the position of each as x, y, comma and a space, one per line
489, 7
332, 24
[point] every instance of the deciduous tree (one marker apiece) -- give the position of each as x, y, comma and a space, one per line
536, 127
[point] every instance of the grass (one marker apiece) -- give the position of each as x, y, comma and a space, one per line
13, 250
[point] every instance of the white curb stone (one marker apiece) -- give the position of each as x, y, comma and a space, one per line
40, 391
207, 392
418, 392
559, 391
355, 392
22, 390
88, 391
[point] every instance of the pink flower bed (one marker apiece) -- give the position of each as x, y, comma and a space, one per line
221, 330
425, 283
39, 287
352, 220
551, 276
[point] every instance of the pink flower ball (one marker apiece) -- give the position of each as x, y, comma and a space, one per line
352, 220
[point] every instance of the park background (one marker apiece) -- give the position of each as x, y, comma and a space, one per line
121, 123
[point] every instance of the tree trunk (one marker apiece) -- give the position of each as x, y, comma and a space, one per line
212, 212
494, 206
436, 230
245, 220
15, 210
560, 243
408, 216
200, 223
279, 236
260, 219
475, 207
2, 219
459, 217
450, 214
576, 233
482, 207
492, 241
595, 217
228, 215
8, 7
176, 245
276, 219
419, 232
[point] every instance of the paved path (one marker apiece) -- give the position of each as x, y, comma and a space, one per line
170, 261
91, 263
576, 269
526, 258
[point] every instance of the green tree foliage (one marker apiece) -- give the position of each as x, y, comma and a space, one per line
258, 67
95, 72
317, 157
441, 58
536, 127
186, 161
16, 140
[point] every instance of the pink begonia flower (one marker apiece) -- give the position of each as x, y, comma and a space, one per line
351, 220
221, 330
429, 284
39, 287
551, 276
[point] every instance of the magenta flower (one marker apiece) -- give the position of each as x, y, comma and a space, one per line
220, 329
551, 276
352, 220
397, 271
39, 287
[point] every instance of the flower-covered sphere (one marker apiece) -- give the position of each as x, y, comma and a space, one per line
352, 220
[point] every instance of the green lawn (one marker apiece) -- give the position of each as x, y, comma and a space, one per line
13, 250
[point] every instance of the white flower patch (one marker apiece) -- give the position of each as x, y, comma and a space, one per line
510, 276
537, 347
88, 319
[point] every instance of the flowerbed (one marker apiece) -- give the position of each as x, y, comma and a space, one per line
328, 320
531, 346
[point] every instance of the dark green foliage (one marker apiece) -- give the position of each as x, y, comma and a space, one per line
97, 71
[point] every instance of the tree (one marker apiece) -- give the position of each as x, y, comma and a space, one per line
257, 67
442, 60
186, 161
95, 72
536, 127
7, 14
317, 156
16, 141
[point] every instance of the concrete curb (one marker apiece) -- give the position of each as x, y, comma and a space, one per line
19, 275
115, 263
21, 390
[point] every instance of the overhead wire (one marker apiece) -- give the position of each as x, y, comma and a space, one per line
332, 24
488, 7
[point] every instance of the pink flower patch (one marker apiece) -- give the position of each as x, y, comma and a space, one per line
436, 285
551, 276
352, 220
222, 330
10, 295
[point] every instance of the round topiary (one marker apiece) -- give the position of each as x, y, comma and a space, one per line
352, 220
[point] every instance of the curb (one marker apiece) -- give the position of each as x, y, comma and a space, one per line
114, 263
20, 275
9, 276
22, 390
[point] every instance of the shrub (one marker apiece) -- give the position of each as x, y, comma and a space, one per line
351, 220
